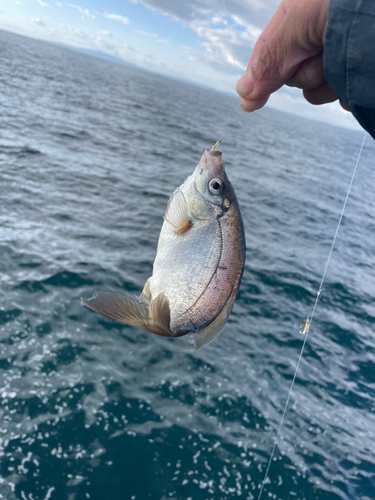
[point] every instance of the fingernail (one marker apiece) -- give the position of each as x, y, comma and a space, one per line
245, 85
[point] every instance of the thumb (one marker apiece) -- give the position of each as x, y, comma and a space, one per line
279, 57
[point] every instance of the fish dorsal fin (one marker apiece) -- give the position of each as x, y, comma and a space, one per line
211, 331
155, 318
177, 211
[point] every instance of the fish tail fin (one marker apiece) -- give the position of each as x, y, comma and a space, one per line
155, 318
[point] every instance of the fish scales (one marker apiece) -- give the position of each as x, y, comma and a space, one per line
192, 262
199, 261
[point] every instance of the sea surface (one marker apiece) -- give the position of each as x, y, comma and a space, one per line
90, 152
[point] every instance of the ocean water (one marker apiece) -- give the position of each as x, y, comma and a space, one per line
90, 152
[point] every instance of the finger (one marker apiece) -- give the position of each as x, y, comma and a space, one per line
250, 106
309, 75
320, 95
277, 61
297, 38
270, 29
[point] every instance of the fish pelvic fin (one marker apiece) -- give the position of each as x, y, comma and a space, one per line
210, 332
177, 212
160, 316
155, 318
146, 293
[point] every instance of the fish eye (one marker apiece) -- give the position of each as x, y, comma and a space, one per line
216, 186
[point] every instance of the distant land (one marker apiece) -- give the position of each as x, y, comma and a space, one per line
95, 53
107, 57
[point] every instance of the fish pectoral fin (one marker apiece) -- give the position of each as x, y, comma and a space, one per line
155, 318
211, 331
177, 212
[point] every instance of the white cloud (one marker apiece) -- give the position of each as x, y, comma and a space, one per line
153, 35
257, 12
114, 17
228, 31
39, 22
224, 33
146, 60
104, 46
86, 12
225, 46
146, 33
72, 34
163, 40
104, 42
80, 38
80, 34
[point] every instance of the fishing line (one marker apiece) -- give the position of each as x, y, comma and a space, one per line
318, 293
235, 74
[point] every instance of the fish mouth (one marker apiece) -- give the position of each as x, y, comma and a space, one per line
211, 159
213, 153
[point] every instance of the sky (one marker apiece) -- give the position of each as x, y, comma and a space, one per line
205, 42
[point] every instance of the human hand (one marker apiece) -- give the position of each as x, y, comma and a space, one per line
289, 52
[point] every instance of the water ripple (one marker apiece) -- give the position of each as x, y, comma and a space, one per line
91, 408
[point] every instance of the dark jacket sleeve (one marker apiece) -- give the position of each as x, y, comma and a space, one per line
349, 57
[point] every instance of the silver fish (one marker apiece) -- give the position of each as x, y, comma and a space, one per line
198, 265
